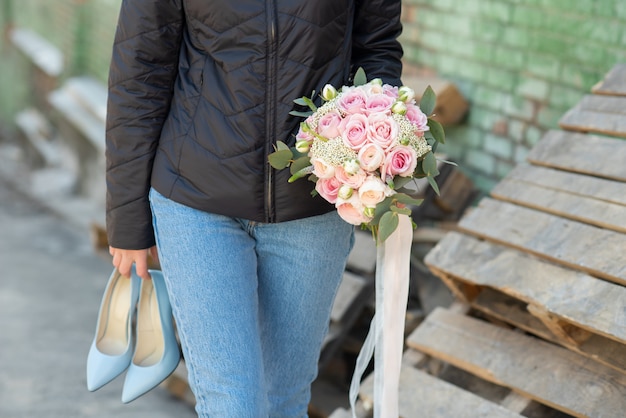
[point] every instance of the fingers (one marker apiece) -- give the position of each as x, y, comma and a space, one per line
141, 267
123, 260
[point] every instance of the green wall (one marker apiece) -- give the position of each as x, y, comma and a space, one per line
520, 63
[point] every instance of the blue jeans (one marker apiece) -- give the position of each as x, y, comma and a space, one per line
252, 303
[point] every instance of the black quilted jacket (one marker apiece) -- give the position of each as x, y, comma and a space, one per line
199, 91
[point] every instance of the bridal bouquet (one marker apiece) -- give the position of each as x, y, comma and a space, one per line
361, 146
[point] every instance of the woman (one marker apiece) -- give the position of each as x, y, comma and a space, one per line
198, 94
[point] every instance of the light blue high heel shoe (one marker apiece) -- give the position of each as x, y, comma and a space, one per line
156, 351
112, 347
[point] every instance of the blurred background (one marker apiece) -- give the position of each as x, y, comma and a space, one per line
505, 71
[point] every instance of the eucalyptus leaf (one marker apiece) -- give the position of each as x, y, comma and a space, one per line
280, 145
309, 103
429, 165
300, 173
301, 101
437, 131
300, 114
407, 200
380, 209
280, 159
388, 223
399, 182
448, 162
428, 101
299, 164
433, 184
401, 211
359, 77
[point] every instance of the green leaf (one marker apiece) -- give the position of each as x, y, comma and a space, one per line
433, 184
401, 211
388, 224
300, 173
301, 101
448, 162
380, 209
359, 77
299, 164
429, 165
428, 101
280, 145
399, 182
437, 131
300, 114
407, 200
280, 159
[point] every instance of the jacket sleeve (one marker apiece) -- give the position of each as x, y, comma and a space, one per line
142, 74
375, 44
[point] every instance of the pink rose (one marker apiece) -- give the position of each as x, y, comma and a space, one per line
391, 91
401, 161
303, 135
328, 125
352, 101
328, 188
354, 131
378, 103
371, 156
353, 180
351, 210
417, 117
382, 130
373, 191
321, 169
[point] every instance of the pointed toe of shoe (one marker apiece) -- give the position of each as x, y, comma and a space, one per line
140, 380
103, 368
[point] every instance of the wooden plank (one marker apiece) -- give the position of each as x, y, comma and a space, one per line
565, 204
350, 289
597, 251
579, 153
585, 301
610, 191
539, 370
597, 113
422, 395
362, 258
614, 82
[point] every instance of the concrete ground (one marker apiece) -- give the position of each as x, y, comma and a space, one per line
51, 284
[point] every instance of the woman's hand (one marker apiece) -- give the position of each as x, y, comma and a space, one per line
124, 259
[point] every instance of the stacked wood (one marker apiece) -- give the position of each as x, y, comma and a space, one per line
540, 267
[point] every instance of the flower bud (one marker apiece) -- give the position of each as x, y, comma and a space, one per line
303, 146
345, 192
369, 212
377, 81
399, 108
404, 141
406, 94
329, 92
351, 166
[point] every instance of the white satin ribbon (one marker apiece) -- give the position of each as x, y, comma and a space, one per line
385, 338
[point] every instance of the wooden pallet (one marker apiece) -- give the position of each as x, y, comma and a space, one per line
541, 267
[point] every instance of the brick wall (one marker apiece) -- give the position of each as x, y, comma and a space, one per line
520, 63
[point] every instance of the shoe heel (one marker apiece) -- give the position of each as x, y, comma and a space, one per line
156, 351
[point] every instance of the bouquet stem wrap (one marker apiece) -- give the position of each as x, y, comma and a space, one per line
385, 338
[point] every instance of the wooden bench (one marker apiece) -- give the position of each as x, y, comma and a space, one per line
540, 266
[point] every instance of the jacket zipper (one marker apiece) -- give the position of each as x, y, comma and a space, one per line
270, 125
